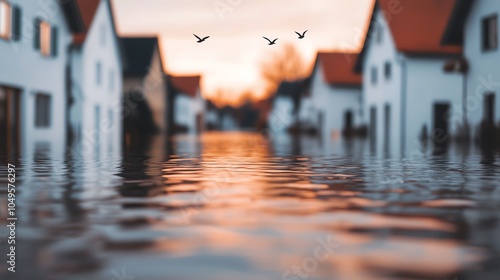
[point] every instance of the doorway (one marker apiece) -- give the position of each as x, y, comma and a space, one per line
488, 128
489, 108
348, 123
199, 123
387, 127
10, 121
440, 134
373, 124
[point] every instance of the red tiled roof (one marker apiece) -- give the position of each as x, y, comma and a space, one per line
186, 84
88, 9
337, 68
420, 25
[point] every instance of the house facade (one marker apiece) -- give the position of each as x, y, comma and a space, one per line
187, 104
34, 38
96, 67
475, 26
335, 95
144, 81
285, 105
407, 96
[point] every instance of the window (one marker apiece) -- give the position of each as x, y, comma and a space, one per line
42, 110
111, 81
379, 33
102, 34
5, 20
490, 33
45, 38
98, 74
387, 70
10, 21
374, 75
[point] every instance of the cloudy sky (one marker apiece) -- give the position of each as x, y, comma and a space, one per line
230, 60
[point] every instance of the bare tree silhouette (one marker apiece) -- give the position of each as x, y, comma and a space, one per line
285, 64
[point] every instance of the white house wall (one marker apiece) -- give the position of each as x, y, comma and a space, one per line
333, 102
428, 84
306, 114
25, 68
384, 91
185, 112
108, 93
341, 100
484, 72
281, 117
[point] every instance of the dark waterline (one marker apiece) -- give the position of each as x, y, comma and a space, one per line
236, 205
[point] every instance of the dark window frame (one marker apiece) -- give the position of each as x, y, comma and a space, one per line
43, 112
374, 75
98, 73
489, 36
388, 70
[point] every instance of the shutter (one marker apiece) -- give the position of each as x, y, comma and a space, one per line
16, 23
37, 33
53, 41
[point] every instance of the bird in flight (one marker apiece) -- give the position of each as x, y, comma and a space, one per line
200, 40
270, 42
301, 36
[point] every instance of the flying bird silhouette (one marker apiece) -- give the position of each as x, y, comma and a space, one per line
200, 40
301, 36
270, 42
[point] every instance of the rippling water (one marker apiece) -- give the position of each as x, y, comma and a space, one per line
240, 206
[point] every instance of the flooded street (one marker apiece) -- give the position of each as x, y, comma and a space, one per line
240, 205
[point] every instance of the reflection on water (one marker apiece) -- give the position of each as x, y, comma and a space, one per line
244, 206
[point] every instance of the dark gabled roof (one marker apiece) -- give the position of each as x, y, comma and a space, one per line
295, 88
454, 32
292, 88
73, 16
138, 54
417, 29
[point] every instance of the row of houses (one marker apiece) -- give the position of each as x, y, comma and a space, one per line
67, 80
428, 69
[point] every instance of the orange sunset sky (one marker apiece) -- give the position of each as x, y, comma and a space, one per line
230, 60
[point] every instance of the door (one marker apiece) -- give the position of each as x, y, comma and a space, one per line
488, 124
321, 121
348, 123
199, 123
440, 134
97, 131
373, 124
489, 109
10, 121
387, 126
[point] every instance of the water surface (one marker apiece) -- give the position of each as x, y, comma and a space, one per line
240, 205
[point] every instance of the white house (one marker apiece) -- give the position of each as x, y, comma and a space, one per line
475, 26
407, 95
281, 116
187, 104
212, 116
34, 38
335, 93
284, 113
96, 69
144, 74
